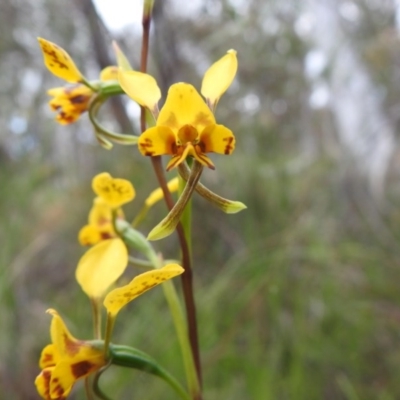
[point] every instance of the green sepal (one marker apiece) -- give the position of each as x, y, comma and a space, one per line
169, 223
225, 205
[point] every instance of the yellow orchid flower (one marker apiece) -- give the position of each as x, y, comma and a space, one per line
100, 226
73, 100
65, 361
186, 124
112, 193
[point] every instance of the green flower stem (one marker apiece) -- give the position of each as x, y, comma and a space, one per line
105, 133
96, 388
96, 311
88, 390
180, 326
181, 331
187, 276
140, 216
137, 262
135, 240
107, 337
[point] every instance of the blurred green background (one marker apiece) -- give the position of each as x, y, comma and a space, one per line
298, 296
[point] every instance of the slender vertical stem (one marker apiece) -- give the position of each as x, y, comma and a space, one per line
96, 310
187, 276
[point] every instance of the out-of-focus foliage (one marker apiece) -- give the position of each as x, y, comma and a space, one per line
305, 303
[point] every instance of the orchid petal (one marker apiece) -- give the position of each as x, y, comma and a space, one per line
184, 106
114, 191
49, 356
42, 383
109, 73
219, 77
67, 372
217, 139
157, 141
59, 62
119, 297
140, 87
101, 266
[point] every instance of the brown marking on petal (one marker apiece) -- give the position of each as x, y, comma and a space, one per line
106, 235
228, 147
171, 121
47, 357
72, 346
147, 287
202, 146
146, 145
202, 119
78, 99
46, 378
59, 391
120, 189
54, 106
63, 116
81, 368
51, 53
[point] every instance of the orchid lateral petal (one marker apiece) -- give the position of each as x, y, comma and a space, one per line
217, 139
101, 266
225, 205
59, 62
42, 383
122, 60
119, 297
141, 88
184, 106
67, 372
109, 73
157, 194
114, 191
219, 77
157, 141
49, 356
89, 235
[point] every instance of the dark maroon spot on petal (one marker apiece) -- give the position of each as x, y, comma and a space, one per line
228, 147
78, 99
81, 368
